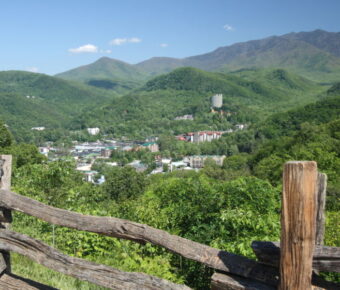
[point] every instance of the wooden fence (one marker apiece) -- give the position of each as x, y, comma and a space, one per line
288, 266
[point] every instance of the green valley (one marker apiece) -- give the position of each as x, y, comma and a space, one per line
248, 98
193, 146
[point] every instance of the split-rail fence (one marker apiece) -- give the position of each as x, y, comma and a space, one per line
294, 263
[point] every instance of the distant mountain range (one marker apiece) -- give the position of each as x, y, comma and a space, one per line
315, 55
257, 78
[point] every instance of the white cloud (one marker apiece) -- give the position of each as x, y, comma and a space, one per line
87, 48
106, 51
120, 41
164, 45
134, 40
32, 69
228, 27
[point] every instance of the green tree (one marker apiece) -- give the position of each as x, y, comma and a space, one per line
6, 138
123, 183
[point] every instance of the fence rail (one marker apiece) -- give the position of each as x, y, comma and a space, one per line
325, 259
235, 271
79, 268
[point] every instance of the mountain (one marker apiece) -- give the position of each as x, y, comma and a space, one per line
312, 54
104, 68
334, 90
31, 99
326, 41
157, 65
152, 109
315, 55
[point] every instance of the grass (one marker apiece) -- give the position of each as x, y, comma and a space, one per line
24, 267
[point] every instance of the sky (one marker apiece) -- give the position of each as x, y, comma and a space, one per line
52, 36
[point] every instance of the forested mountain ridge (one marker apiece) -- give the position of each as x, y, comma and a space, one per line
104, 68
49, 88
327, 41
152, 108
314, 54
36, 100
301, 53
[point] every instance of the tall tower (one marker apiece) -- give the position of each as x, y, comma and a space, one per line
217, 101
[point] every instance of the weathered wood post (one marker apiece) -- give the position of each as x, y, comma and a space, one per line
298, 225
320, 208
5, 214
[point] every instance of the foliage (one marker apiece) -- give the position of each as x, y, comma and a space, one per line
6, 138
152, 109
23, 154
35, 100
124, 183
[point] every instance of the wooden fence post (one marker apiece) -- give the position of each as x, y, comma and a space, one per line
298, 225
5, 214
320, 208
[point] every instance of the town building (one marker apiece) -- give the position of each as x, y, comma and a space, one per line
240, 126
185, 117
202, 136
217, 101
138, 165
44, 150
93, 131
152, 146
197, 161
38, 128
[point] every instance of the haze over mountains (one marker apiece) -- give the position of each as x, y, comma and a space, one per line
315, 55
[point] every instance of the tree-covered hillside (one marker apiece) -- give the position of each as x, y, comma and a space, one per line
152, 108
36, 100
50, 88
104, 68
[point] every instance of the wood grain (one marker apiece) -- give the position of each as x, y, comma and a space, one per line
298, 225
320, 208
5, 214
84, 270
221, 281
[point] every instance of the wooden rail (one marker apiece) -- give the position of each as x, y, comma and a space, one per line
120, 228
325, 259
84, 270
301, 200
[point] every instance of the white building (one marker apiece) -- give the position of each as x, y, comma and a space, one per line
44, 150
197, 161
38, 128
217, 101
240, 126
93, 131
185, 117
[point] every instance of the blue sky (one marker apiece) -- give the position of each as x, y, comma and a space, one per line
51, 36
